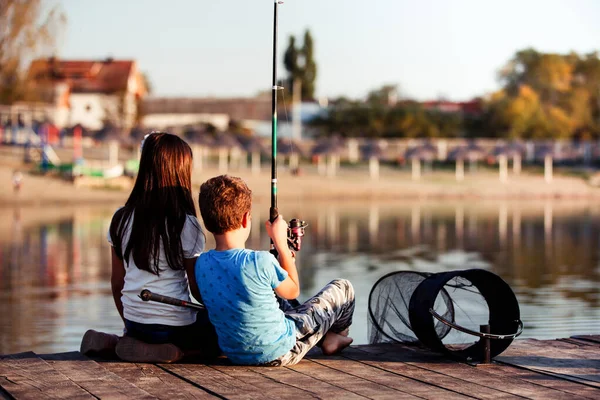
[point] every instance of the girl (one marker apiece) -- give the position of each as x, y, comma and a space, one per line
155, 241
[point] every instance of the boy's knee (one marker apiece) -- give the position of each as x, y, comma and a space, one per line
345, 285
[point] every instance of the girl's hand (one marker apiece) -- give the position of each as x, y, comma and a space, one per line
277, 231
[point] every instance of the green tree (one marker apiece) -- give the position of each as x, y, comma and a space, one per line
28, 29
309, 68
548, 95
290, 60
549, 75
300, 64
387, 95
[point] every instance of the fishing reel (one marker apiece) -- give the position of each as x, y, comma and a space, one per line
295, 233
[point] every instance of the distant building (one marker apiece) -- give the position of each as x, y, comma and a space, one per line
90, 92
472, 107
164, 112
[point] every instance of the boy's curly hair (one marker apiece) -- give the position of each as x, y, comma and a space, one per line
223, 202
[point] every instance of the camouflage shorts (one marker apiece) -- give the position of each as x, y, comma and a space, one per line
330, 310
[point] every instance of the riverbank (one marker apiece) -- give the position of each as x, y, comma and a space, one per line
350, 184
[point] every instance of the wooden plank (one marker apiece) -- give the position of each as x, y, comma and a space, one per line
22, 389
558, 347
264, 383
570, 388
28, 376
216, 382
387, 379
394, 362
577, 364
587, 349
351, 383
317, 387
480, 375
156, 381
94, 378
579, 342
3, 394
589, 338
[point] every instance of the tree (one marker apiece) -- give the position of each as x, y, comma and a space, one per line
548, 96
300, 64
387, 95
290, 60
28, 29
309, 68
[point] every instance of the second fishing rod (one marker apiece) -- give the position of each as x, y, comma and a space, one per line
296, 227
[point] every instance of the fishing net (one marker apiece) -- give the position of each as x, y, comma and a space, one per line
388, 308
444, 311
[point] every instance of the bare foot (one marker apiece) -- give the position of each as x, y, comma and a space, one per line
334, 343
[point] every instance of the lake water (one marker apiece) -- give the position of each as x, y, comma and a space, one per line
55, 263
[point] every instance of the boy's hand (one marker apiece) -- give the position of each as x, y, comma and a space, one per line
277, 231
290, 287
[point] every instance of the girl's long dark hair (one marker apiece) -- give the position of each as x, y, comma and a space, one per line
159, 203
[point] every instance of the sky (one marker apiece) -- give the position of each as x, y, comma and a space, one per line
429, 48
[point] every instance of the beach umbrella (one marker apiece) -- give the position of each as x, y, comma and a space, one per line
573, 152
458, 155
425, 152
513, 150
229, 149
253, 146
548, 154
114, 137
291, 149
137, 133
373, 152
502, 153
474, 153
200, 141
109, 132
329, 148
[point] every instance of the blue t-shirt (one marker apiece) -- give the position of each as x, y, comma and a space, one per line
237, 288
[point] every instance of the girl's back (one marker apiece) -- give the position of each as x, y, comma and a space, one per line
155, 233
155, 241
169, 282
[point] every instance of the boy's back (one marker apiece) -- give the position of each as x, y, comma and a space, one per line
237, 287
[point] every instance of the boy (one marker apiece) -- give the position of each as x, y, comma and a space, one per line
237, 284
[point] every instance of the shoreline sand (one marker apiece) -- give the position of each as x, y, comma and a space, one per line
349, 185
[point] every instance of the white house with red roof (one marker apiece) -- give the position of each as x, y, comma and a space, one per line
90, 92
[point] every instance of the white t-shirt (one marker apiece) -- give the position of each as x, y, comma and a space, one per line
169, 283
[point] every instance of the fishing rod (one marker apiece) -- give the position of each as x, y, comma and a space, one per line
273, 212
147, 295
296, 227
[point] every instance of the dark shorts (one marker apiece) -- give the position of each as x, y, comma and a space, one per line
197, 337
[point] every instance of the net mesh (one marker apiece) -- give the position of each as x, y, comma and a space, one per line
458, 302
388, 308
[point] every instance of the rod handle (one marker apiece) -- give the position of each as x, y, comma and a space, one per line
273, 214
147, 295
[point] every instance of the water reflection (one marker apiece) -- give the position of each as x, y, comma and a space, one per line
55, 264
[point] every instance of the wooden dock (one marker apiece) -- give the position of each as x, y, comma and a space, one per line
536, 369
